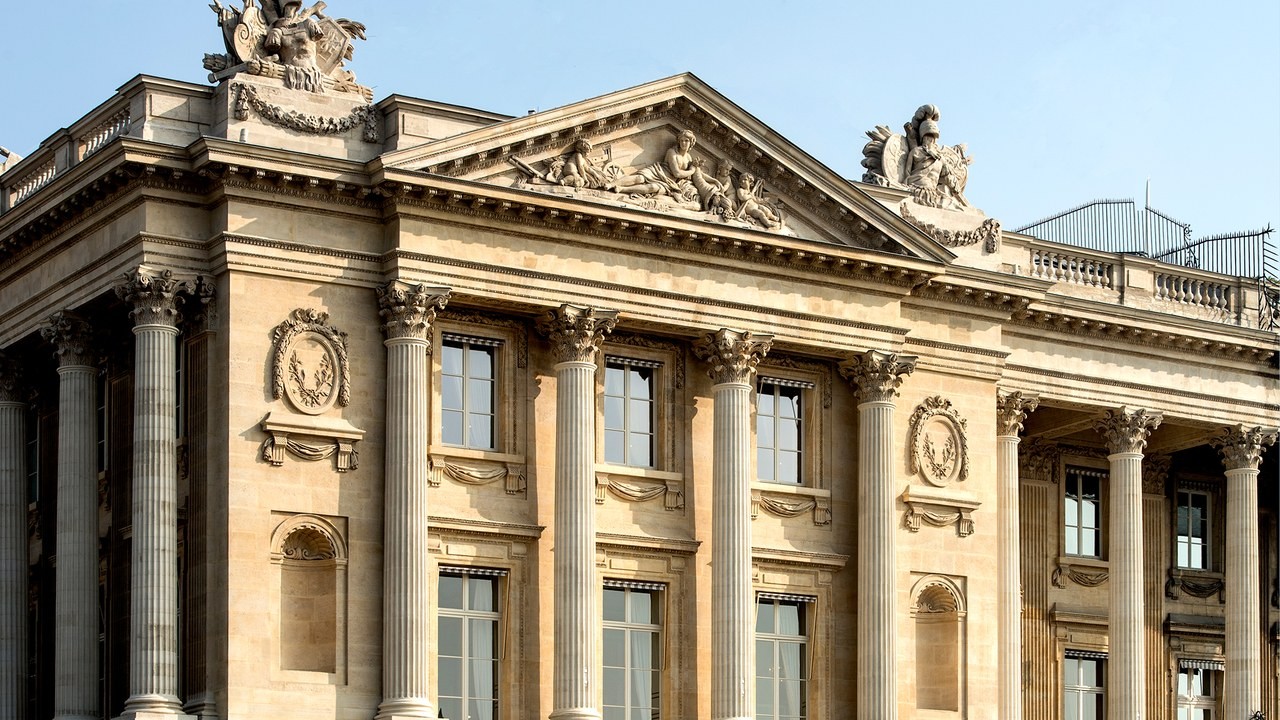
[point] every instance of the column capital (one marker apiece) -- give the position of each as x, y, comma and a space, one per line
1155, 471
408, 309
1241, 447
71, 337
1011, 411
733, 355
11, 387
1125, 430
876, 375
154, 295
577, 332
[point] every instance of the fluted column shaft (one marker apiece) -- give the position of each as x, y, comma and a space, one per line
733, 357
1011, 411
13, 545
575, 334
1126, 433
406, 610
876, 377
1241, 450
153, 581
75, 684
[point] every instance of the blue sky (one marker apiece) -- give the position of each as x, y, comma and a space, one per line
1059, 103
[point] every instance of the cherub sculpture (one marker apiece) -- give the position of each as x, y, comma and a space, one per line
936, 174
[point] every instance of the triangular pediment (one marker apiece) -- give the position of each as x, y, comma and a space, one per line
631, 150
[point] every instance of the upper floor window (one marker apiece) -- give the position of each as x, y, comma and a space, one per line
1083, 688
1082, 512
780, 430
468, 392
1192, 542
629, 418
782, 658
1197, 693
468, 643
632, 651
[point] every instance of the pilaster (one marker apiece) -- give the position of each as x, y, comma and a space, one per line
1126, 433
575, 334
1241, 448
732, 357
407, 311
75, 688
1011, 411
876, 377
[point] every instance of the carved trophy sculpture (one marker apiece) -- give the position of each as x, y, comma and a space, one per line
678, 182
280, 39
936, 176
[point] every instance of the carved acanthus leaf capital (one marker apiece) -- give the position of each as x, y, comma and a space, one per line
1127, 431
876, 375
408, 310
11, 387
154, 295
1241, 446
1155, 471
72, 339
1038, 460
1011, 411
733, 355
576, 332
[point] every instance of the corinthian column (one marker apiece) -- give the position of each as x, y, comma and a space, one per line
575, 334
75, 653
153, 581
733, 357
407, 312
1241, 450
13, 543
876, 376
1126, 433
1011, 410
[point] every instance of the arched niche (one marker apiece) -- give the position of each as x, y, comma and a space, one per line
938, 608
310, 553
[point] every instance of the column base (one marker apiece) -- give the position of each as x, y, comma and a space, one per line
154, 707
405, 709
587, 713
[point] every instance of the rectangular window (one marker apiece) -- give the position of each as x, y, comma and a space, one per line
629, 411
779, 431
1083, 512
1193, 530
1083, 688
782, 658
468, 643
632, 651
1197, 693
468, 393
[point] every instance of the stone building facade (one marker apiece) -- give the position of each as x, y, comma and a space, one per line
317, 408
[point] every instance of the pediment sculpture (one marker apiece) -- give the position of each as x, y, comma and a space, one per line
679, 182
280, 39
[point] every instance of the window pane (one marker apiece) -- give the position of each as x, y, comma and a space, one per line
450, 636
480, 362
451, 359
641, 607
613, 377
613, 407
451, 677
640, 416
480, 710
451, 392
450, 707
614, 713
764, 658
641, 692
641, 385
789, 698
764, 464
615, 654
480, 592
764, 696
788, 619
451, 591
615, 447
788, 467
482, 685
1070, 705
788, 435
1089, 543
615, 608
480, 396
639, 453
481, 431
764, 431
764, 617
484, 640
1089, 673
615, 686
789, 402
451, 427
1071, 512
764, 400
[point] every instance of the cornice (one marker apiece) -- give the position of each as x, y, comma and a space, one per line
1147, 389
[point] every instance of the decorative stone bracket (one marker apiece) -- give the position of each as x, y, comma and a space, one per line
788, 505
939, 508
640, 489
297, 435
512, 474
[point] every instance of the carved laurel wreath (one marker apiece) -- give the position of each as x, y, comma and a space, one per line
939, 465
363, 115
313, 394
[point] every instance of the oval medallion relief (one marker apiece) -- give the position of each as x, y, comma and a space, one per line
939, 451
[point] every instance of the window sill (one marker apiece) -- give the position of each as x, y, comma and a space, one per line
789, 501
1202, 584
1083, 561
637, 485
466, 466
